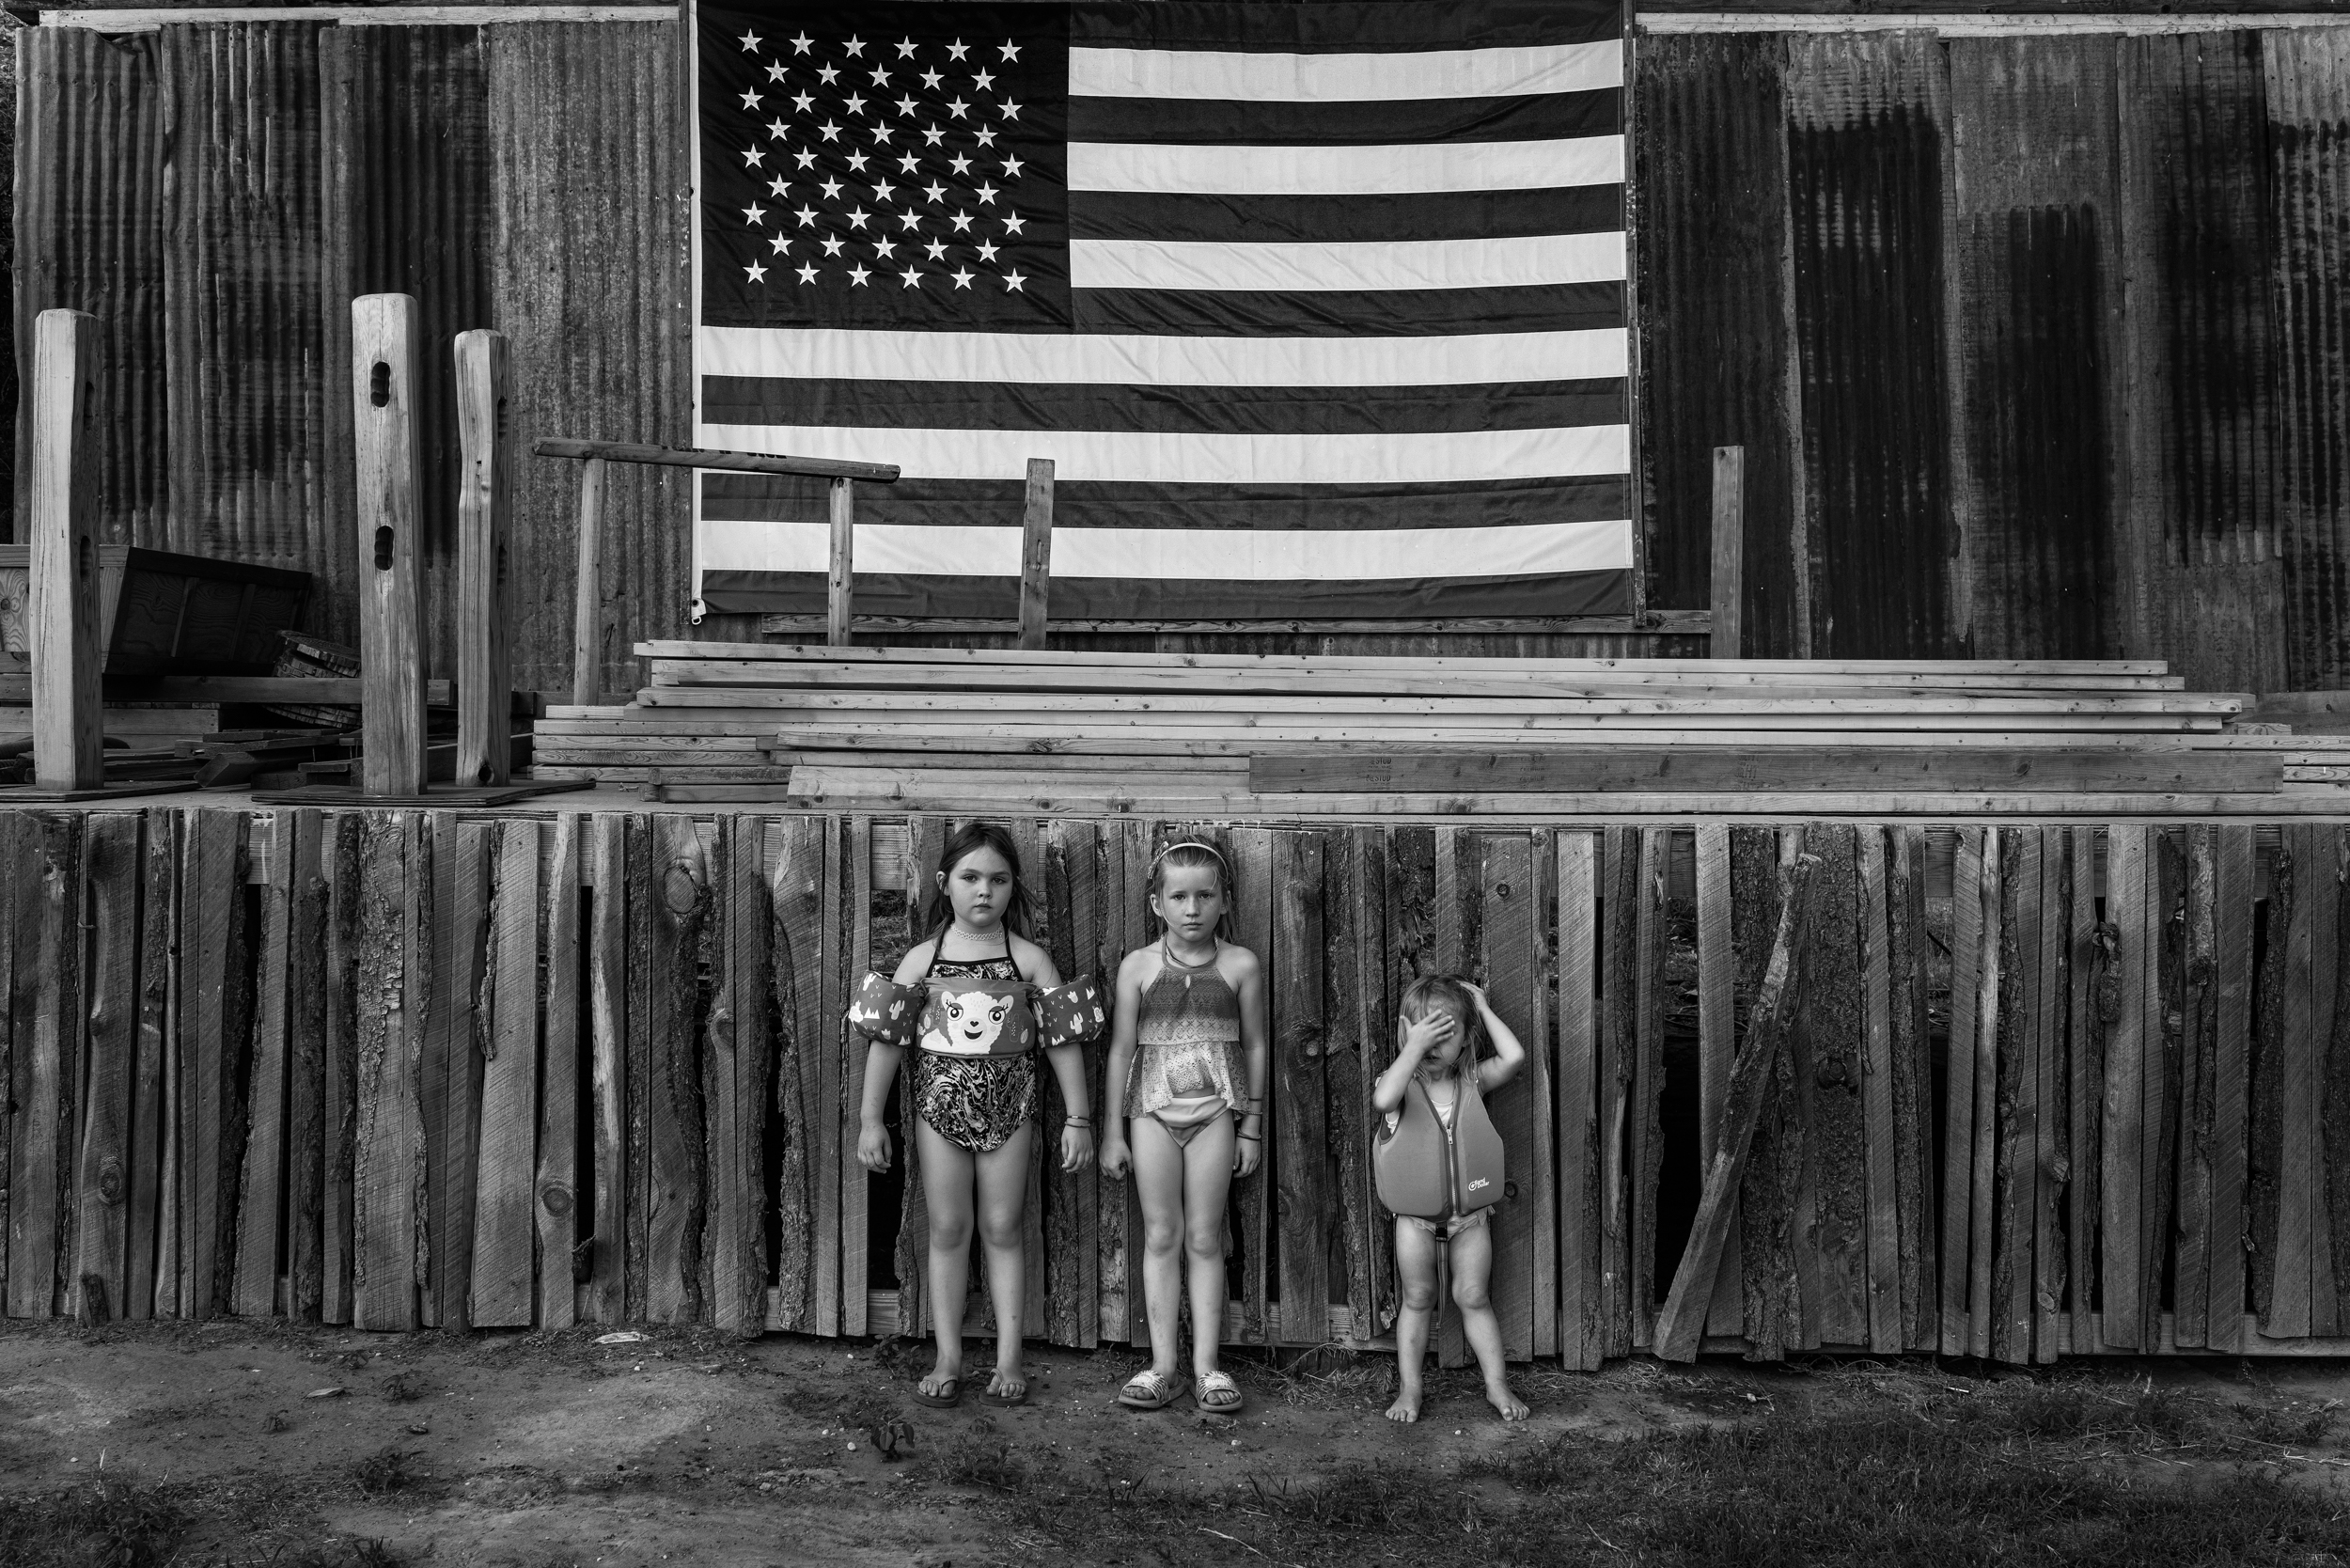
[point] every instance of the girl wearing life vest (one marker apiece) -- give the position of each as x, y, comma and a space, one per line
974, 1001
1438, 1164
1187, 1073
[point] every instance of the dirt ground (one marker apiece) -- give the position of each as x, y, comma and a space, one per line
541, 1450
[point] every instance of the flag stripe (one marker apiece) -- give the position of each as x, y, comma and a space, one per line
1432, 360
1559, 307
1245, 171
1467, 119
1265, 76
1193, 555
1607, 593
1225, 411
1173, 459
1528, 261
1341, 29
1093, 504
1134, 215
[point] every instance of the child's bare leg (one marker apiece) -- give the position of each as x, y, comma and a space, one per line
1003, 1184
1207, 1180
946, 1195
1472, 1272
1415, 1273
1159, 1190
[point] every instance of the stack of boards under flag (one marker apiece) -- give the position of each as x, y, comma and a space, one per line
1294, 734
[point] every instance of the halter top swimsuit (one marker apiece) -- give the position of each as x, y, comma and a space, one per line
1187, 1067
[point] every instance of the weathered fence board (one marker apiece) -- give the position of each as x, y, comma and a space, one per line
398, 1067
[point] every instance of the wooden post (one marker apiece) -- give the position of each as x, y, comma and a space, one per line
391, 652
587, 602
1729, 540
485, 515
839, 589
68, 737
1036, 551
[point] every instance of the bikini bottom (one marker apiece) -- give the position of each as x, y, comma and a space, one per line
1184, 1134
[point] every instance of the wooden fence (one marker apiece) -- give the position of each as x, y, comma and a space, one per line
2051, 1089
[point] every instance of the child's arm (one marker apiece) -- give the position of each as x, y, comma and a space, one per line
1077, 1134
1036, 964
1125, 1008
1509, 1055
1248, 1150
1387, 1095
872, 1137
880, 1071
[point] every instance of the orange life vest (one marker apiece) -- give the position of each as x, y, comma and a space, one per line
1423, 1167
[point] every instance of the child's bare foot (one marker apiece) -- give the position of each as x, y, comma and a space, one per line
1406, 1406
945, 1378
1510, 1407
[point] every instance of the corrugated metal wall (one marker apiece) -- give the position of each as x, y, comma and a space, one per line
89, 236
2068, 342
244, 333
588, 269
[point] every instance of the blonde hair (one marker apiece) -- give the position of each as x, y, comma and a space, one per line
1189, 853
1443, 993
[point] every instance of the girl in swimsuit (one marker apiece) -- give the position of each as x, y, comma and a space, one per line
1441, 1020
976, 1120
1187, 1065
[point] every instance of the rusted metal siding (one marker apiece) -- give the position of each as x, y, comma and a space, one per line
245, 340
90, 237
589, 278
1864, 163
406, 132
2200, 581
2038, 298
1715, 339
2307, 80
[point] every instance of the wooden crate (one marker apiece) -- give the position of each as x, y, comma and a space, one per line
164, 613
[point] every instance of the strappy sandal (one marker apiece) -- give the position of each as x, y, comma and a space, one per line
1003, 1401
1147, 1391
948, 1396
1217, 1394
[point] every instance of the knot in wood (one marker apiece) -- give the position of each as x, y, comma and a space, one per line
681, 889
110, 1180
555, 1199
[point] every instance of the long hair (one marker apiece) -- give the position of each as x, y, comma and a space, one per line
938, 910
1443, 993
1191, 854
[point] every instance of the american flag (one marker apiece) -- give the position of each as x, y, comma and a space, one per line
1318, 309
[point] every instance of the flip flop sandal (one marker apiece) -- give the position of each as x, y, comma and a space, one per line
1002, 1400
1147, 1391
947, 1399
1220, 1384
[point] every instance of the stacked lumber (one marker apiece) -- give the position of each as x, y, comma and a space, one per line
1287, 734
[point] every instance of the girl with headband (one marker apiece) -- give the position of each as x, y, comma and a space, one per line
1187, 1073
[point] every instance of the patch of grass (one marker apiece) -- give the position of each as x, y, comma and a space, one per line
386, 1470
2296, 1427
2020, 1482
109, 1522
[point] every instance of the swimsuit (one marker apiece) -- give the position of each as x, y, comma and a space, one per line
1187, 1067
973, 1102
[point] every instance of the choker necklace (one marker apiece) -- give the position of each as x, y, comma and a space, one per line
958, 929
1166, 956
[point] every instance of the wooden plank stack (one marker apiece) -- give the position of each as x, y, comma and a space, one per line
1294, 735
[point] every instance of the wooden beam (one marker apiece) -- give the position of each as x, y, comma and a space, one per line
1647, 623
62, 587
556, 1213
700, 457
112, 867
384, 334
1681, 1322
485, 516
1569, 768
840, 573
1036, 552
587, 587
1729, 549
